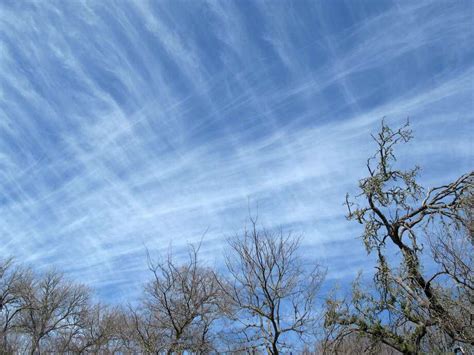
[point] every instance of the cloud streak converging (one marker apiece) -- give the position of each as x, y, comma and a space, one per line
133, 124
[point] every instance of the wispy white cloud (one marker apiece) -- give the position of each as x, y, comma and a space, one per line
125, 125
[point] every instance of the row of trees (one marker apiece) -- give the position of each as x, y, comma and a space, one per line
421, 297
265, 302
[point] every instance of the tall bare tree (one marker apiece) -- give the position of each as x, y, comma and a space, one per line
51, 304
408, 302
96, 332
272, 291
13, 278
184, 301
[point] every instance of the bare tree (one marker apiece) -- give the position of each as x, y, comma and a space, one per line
12, 279
408, 302
51, 305
184, 302
272, 291
139, 332
96, 332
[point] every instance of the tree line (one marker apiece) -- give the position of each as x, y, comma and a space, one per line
419, 299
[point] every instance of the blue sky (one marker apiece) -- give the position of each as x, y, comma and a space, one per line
126, 124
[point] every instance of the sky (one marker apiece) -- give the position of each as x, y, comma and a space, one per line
127, 125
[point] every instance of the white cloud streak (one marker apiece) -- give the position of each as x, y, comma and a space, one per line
127, 124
